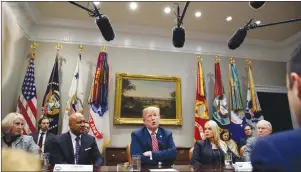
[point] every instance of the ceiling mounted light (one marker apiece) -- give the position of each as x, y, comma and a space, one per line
167, 10
229, 18
133, 5
198, 14
257, 22
96, 2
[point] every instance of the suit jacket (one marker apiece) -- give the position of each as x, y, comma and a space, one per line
23, 142
249, 146
142, 142
203, 154
61, 151
48, 139
278, 152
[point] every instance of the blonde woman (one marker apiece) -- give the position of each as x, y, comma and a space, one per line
210, 151
12, 134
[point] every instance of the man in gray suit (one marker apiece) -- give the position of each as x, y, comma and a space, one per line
264, 128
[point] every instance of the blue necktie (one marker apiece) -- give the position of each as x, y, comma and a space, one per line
77, 148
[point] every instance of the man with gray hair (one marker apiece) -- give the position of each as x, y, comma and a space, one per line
264, 128
154, 144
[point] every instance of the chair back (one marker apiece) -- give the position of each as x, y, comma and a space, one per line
190, 153
128, 152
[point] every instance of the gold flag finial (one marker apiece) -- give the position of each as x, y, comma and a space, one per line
248, 63
216, 59
34, 46
58, 47
231, 60
103, 48
80, 48
200, 59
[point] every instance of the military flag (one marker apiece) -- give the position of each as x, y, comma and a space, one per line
220, 107
98, 101
201, 110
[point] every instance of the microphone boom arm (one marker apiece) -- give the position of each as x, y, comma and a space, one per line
254, 25
184, 12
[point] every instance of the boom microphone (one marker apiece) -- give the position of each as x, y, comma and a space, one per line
105, 27
237, 38
178, 36
256, 4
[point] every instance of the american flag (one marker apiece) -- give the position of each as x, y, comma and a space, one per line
27, 102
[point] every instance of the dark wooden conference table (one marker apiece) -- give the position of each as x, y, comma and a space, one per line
176, 167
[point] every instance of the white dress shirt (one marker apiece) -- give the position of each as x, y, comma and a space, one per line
150, 133
43, 141
73, 137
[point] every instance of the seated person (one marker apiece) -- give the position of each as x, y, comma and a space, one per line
226, 136
152, 142
248, 131
211, 151
43, 138
12, 134
75, 147
264, 128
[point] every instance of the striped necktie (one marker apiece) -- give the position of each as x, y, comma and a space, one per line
155, 142
77, 149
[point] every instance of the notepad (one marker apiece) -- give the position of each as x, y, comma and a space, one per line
165, 169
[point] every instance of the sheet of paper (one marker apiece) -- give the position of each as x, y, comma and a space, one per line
166, 169
71, 167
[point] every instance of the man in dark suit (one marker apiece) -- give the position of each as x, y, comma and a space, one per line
75, 147
282, 151
43, 138
153, 143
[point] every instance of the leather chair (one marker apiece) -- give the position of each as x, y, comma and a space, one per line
128, 152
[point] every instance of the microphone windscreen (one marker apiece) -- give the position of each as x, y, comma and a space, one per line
237, 39
256, 4
105, 28
178, 37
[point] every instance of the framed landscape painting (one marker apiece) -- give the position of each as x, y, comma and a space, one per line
135, 92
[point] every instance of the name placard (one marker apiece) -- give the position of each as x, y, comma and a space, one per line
72, 167
243, 166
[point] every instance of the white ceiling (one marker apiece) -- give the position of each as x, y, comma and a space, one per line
212, 21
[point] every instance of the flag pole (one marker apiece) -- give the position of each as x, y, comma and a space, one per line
58, 47
80, 49
34, 46
103, 48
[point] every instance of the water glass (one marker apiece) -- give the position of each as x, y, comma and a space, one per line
45, 159
125, 167
136, 162
228, 160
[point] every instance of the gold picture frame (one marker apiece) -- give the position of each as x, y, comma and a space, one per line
133, 92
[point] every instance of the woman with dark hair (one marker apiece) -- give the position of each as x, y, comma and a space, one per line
226, 136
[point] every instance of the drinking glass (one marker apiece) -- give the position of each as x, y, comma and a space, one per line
45, 159
125, 167
136, 162
228, 160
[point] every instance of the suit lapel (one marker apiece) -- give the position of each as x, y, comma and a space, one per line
35, 137
160, 139
69, 148
148, 138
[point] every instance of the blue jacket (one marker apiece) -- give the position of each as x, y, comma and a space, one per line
278, 152
142, 142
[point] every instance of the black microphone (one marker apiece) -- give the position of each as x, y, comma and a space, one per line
238, 38
105, 27
178, 36
256, 4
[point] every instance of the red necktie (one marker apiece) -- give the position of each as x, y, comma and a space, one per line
155, 142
